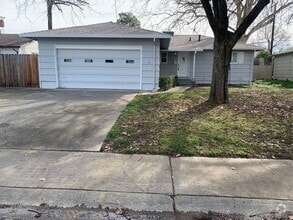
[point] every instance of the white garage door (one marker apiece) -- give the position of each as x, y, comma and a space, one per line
105, 69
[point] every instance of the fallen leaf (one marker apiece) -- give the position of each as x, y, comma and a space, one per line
119, 211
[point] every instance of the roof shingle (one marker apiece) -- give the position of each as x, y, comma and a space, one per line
12, 40
108, 29
200, 42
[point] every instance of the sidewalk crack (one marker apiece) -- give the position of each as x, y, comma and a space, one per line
173, 186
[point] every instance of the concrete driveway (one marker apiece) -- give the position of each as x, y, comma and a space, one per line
67, 120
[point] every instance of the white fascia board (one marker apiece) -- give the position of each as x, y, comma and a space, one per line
186, 50
132, 36
97, 47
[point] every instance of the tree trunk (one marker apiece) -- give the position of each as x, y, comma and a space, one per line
49, 14
221, 67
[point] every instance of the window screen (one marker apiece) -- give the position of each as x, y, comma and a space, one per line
67, 60
88, 60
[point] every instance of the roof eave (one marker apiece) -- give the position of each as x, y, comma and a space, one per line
203, 49
9, 46
283, 53
125, 36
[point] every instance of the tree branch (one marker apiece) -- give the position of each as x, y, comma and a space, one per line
209, 12
248, 20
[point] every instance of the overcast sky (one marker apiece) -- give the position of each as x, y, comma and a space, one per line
101, 11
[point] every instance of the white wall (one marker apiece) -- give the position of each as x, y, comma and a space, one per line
240, 73
29, 48
47, 58
283, 67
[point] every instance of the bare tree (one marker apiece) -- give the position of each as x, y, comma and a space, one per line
218, 16
264, 37
191, 13
265, 18
22, 6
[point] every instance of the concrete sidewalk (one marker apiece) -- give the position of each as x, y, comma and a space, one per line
145, 182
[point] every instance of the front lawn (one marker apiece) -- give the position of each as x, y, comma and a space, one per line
258, 122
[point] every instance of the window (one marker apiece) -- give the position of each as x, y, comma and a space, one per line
234, 57
129, 61
109, 61
67, 60
164, 57
256, 61
88, 60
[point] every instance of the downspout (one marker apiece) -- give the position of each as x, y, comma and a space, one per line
193, 70
154, 66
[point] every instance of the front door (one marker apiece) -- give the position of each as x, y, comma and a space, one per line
183, 64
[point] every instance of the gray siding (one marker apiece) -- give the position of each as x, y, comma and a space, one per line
240, 73
283, 67
170, 68
47, 63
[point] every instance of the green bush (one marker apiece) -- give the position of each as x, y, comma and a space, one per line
167, 82
175, 82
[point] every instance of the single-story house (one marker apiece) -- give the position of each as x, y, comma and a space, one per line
191, 58
114, 56
283, 65
14, 44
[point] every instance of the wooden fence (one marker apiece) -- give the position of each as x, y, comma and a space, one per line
261, 70
19, 70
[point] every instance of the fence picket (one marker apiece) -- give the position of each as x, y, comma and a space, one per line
19, 70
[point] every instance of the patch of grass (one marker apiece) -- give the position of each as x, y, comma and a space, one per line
258, 123
276, 83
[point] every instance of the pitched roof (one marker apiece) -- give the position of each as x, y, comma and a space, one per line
284, 52
101, 30
200, 42
12, 40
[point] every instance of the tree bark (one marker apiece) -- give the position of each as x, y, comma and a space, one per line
221, 67
49, 14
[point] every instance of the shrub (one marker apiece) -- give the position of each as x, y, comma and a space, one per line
167, 82
175, 82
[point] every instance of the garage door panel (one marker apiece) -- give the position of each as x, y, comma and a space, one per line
97, 53
100, 78
116, 64
104, 71
74, 72
94, 85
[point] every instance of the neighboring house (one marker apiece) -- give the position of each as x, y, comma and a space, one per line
283, 66
14, 44
115, 56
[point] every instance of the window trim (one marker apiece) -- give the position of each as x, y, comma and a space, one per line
165, 57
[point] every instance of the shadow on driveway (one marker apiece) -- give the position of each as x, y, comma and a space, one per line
70, 120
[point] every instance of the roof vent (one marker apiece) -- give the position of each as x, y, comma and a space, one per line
169, 32
189, 38
199, 36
